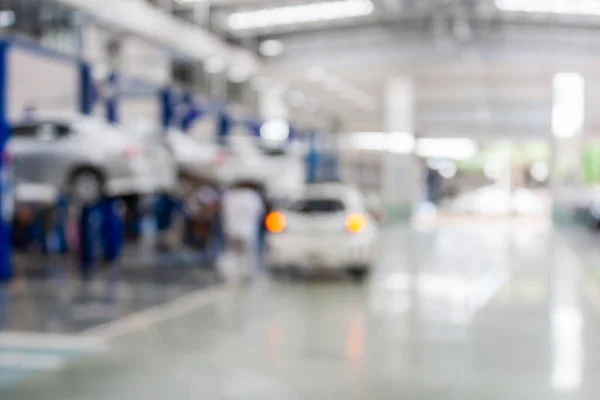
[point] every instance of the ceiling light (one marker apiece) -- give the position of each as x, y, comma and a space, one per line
376, 141
540, 171
271, 48
395, 142
448, 169
575, 7
275, 130
299, 14
450, 148
7, 18
401, 142
568, 108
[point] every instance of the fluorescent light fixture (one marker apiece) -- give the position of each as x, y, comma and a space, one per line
7, 18
395, 142
568, 108
401, 142
450, 148
299, 14
271, 48
573, 7
540, 171
448, 169
376, 141
493, 170
276, 130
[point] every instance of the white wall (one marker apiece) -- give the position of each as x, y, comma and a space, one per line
137, 58
145, 61
94, 39
395, 178
40, 81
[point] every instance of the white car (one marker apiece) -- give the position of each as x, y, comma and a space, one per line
81, 156
247, 162
329, 227
202, 160
160, 159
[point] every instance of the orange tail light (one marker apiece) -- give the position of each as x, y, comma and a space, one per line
275, 222
356, 223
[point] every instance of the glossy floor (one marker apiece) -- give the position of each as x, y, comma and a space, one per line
460, 311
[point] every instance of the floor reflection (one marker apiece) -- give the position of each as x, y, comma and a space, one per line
461, 311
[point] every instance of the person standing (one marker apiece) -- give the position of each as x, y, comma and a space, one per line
242, 211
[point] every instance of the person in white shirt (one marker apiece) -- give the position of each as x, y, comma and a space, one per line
242, 212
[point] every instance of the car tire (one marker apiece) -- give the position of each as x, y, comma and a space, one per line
86, 186
359, 274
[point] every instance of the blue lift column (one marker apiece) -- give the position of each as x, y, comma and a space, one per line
100, 225
223, 126
6, 189
112, 103
312, 160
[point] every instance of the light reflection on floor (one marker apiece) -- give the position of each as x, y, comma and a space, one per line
455, 311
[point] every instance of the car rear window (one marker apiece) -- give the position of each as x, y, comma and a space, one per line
43, 131
318, 206
25, 130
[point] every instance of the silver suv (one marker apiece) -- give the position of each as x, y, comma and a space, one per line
85, 158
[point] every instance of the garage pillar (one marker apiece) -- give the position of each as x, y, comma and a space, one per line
401, 183
568, 116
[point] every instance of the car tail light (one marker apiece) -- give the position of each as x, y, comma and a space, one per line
356, 223
219, 158
275, 222
133, 151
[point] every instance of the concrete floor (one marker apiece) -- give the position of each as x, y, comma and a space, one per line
462, 311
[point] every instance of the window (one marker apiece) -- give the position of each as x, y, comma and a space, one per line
45, 131
24, 131
48, 22
309, 206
